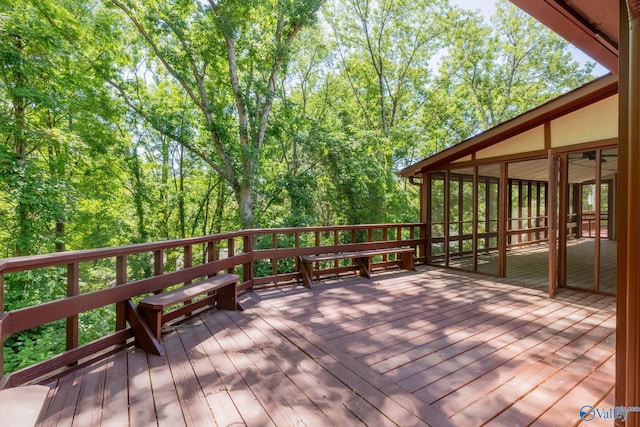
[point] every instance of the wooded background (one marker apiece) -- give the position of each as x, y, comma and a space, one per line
128, 121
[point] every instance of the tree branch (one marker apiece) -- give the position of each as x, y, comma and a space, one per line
172, 71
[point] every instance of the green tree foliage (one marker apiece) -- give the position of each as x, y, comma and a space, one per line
493, 73
127, 121
52, 122
222, 60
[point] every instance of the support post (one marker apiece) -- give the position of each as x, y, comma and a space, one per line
598, 202
447, 200
426, 214
551, 206
563, 207
629, 243
474, 220
503, 216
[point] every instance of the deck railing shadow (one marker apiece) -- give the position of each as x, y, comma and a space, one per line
451, 358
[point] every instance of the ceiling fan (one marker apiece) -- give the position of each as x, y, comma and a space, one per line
591, 155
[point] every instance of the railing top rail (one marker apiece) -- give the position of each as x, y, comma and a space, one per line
8, 265
330, 228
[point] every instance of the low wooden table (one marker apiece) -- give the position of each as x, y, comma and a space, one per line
363, 261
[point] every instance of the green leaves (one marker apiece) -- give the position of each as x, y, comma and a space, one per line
492, 74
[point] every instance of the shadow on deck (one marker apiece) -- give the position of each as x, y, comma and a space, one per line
429, 348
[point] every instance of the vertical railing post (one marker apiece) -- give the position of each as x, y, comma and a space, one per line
274, 261
385, 237
247, 274
188, 258
158, 265
1, 312
317, 244
212, 254
121, 278
73, 288
336, 242
188, 262
211, 251
296, 238
1, 292
231, 251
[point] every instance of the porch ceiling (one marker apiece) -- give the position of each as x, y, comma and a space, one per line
581, 97
590, 25
581, 168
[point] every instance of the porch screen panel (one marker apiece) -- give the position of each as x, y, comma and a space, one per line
608, 211
436, 219
487, 220
527, 257
581, 247
460, 239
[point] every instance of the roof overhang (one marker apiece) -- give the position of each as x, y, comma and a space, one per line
590, 25
583, 96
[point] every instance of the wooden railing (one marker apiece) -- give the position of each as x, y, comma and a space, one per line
262, 257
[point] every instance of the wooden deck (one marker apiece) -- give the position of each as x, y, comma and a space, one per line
433, 347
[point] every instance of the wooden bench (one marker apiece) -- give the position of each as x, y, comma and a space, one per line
152, 309
362, 258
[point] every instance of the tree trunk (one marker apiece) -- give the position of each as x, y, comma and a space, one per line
138, 196
181, 206
245, 204
22, 211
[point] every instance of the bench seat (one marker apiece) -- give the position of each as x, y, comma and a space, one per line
363, 261
152, 308
21, 406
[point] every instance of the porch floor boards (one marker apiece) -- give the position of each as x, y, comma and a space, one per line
434, 347
529, 265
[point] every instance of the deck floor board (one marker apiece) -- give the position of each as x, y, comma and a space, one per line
432, 347
305, 372
115, 393
141, 404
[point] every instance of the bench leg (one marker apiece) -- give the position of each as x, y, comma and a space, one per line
143, 331
306, 271
153, 318
228, 297
406, 261
364, 267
